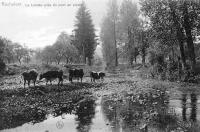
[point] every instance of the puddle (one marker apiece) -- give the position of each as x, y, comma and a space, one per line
188, 107
118, 113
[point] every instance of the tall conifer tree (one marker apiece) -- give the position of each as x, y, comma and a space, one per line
85, 34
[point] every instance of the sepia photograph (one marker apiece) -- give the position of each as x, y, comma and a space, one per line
100, 66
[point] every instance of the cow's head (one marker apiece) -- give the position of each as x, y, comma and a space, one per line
41, 76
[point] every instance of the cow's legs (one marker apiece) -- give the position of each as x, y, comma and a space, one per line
24, 83
61, 81
50, 81
28, 83
46, 82
34, 82
70, 79
58, 82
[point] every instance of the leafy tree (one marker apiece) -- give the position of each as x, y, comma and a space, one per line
20, 52
47, 54
189, 18
8, 54
144, 40
28, 55
2, 64
107, 43
84, 30
38, 55
109, 34
183, 15
129, 23
68, 51
61, 51
58, 52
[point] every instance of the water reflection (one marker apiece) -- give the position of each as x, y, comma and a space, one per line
110, 111
145, 112
138, 113
85, 112
192, 108
184, 107
83, 109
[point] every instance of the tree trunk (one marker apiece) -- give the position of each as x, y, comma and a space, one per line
189, 39
115, 42
19, 61
89, 61
179, 34
67, 60
130, 49
135, 58
84, 56
143, 56
131, 60
143, 48
173, 54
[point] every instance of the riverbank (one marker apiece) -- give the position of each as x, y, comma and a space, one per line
22, 105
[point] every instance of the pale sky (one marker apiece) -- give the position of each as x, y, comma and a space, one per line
40, 26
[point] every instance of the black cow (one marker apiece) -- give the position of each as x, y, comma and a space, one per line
30, 75
75, 73
51, 75
97, 75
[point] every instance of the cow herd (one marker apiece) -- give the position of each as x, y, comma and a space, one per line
49, 76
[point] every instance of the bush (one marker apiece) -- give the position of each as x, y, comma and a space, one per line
2, 67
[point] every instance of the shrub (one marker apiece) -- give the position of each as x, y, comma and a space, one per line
2, 66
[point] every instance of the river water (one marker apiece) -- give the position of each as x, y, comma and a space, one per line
125, 114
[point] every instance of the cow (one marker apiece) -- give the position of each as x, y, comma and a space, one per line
75, 73
51, 75
30, 76
97, 75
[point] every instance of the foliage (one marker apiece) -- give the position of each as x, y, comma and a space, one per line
2, 64
109, 34
128, 27
173, 25
61, 51
47, 54
84, 37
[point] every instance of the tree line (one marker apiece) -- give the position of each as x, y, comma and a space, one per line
12, 52
161, 32
79, 47
123, 33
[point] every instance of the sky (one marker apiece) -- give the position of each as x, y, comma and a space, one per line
38, 26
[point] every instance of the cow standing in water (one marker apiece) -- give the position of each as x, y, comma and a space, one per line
51, 75
30, 76
97, 75
76, 73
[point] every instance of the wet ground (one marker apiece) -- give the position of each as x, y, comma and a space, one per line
122, 103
